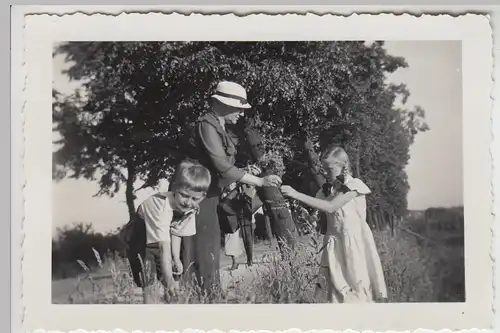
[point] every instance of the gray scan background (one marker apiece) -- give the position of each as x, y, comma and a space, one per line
11, 18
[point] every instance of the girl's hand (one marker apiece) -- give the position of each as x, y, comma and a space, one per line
288, 191
271, 180
254, 170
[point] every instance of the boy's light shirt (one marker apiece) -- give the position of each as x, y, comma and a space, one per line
158, 212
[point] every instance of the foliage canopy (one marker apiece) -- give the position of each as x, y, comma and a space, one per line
139, 99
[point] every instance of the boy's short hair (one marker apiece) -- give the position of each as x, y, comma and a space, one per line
191, 175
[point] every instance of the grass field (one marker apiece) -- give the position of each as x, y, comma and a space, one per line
423, 262
82, 289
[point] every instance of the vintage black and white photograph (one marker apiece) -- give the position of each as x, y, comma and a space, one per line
204, 169
262, 172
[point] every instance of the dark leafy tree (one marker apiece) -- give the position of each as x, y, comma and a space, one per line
140, 99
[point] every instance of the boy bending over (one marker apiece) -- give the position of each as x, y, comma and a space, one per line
169, 216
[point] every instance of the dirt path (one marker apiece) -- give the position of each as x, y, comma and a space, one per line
243, 272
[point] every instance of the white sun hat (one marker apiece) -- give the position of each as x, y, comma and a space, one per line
231, 94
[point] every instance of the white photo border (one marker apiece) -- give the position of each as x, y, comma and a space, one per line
41, 31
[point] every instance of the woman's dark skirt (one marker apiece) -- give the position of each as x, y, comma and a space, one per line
201, 252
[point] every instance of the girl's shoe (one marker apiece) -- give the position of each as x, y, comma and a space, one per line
382, 299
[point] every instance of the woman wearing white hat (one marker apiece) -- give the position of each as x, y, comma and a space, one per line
216, 150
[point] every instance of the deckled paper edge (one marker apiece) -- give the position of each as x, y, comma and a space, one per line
262, 13
494, 119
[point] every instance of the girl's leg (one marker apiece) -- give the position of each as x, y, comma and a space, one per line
234, 264
233, 247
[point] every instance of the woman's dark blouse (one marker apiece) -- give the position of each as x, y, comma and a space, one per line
217, 152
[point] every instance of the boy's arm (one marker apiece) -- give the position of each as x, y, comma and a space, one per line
176, 247
166, 263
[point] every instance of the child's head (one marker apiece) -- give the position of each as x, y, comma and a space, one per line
335, 162
190, 185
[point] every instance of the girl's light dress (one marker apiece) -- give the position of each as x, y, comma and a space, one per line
349, 259
234, 245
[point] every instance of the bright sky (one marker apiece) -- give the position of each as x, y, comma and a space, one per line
435, 169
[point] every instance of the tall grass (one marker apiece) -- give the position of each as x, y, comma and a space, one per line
430, 268
415, 271
406, 268
287, 278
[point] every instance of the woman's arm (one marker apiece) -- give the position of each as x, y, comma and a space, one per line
328, 206
252, 180
213, 145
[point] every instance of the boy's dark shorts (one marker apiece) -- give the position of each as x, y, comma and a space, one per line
152, 270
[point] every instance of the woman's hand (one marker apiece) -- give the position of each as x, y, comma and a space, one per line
271, 180
288, 191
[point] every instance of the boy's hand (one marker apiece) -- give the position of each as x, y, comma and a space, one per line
178, 268
172, 289
168, 283
288, 191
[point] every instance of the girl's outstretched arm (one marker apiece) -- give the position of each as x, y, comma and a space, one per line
328, 206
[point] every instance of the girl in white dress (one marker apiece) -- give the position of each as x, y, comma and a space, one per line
350, 269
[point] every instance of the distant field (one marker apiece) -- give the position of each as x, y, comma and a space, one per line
423, 262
